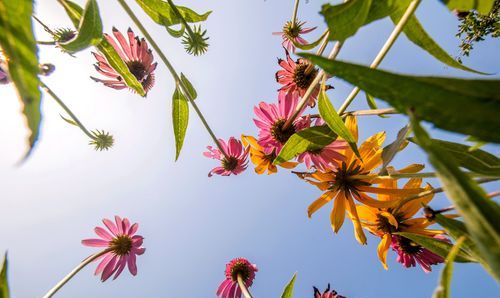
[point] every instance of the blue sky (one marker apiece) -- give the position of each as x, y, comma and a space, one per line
193, 224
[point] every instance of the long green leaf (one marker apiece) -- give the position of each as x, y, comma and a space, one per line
18, 43
189, 86
180, 117
344, 20
288, 290
480, 214
161, 13
312, 138
89, 29
4, 284
482, 6
417, 34
390, 151
334, 121
466, 106
74, 11
439, 247
443, 289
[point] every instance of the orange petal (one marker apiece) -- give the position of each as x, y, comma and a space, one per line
337, 215
367, 200
391, 191
382, 249
358, 228
413, 168
320, 202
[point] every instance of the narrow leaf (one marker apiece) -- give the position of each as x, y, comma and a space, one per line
4, 284
189, 86
68, 120
161, 13
482, 6
439, 247
439, 100
18, 43
390, 151
312, 138
288, 290
480, 214
176, 33
334, 121
309, 46
89, 29
180, 117
417, 34
443, 289
344, 20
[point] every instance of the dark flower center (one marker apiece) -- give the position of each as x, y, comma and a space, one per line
302, 76
344, 177
230, 163
408, 246
281, 134
121, 245
240, 268
292, 31
140, 72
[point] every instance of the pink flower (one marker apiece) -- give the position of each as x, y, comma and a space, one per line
229, 287
327, 293
410, 253
324, 159
292, 33
123, 246
271, 119
135, 53
236, 160
296, 76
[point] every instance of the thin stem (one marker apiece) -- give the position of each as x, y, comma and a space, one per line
46, 43
67, 110
364, 113
44, 26
433, 191
243, 287
385, 49
80, 266
177, 80
312, 86
294, 14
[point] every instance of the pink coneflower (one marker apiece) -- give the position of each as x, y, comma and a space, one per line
410, 253
122, 244
292, 32
236, 160
229, 287
327, 293
324, 159
296, 76
271, 119
135, 53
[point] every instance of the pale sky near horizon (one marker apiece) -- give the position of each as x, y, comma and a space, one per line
193, 224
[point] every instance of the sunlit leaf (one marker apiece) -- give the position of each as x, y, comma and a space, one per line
4, 284
89, 29
443, 289
344, 20
162, 13
180, 118
309, 46
461, 105
176, 33
312, 138
288, 290
482, 6
189, 86
68, 120
18, 44
381, 9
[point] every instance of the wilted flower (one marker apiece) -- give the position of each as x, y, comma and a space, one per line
291, 33
136, 55
229, 287
102, 140
410, 253
123, 246
263, 162
233, 162
195, 41
271, 119
327, 293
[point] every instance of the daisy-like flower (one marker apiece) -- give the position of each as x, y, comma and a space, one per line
263, 162
353, 180
122, 245
229, 287
327, 293
296, 76
291, 33
236, 160
410, 253
271, 119
384, 222
136, 55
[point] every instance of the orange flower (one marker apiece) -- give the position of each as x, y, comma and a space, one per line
263, 162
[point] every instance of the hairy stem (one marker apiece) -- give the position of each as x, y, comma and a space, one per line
243, 287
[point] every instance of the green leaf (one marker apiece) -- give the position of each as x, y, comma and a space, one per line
482, 6
74, 12
443, 289
4, 284
390, 151
480, 214
466, 106
176, 33
18, 43
288, 290
89, 29
309, 46
312, 138
381, 9
417, 34
180, 117
439, 247
477, 143
334, 121
189, 86
162, 13
344, 20
68, 120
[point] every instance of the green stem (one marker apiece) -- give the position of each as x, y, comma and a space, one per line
385, 49
67, 110
44, 26
376, 112
295, 11
80, 266
47, 43
178, 13
176, 77
243, 287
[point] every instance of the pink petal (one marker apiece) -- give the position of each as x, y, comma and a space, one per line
111, 226
103, 233
132, 266
95, 242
